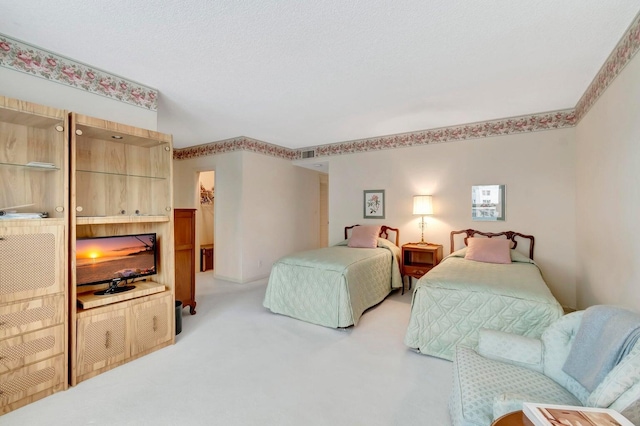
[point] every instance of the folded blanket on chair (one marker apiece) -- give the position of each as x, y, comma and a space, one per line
605, 336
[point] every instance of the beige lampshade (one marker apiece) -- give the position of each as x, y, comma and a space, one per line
422, 205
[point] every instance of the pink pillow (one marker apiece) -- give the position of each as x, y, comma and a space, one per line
489, 250
364, 236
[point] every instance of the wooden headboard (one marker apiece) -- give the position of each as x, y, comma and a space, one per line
510, 235
384, 233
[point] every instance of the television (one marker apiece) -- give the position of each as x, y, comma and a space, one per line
118, 259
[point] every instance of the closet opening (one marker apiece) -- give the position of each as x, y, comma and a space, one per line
205, 231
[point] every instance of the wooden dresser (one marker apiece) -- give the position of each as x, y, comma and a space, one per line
185, 251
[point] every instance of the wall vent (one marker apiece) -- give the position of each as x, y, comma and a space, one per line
308, 154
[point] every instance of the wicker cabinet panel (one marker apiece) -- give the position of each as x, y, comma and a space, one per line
31, 315
152, 324
26, 382
102, 341
30, 263
16, 352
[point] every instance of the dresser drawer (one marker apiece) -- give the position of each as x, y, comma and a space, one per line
417, 271
16, 352
30, 380
31, 315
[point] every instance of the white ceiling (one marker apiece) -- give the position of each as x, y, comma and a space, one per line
301, 73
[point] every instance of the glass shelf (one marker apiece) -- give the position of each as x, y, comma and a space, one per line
122, 174
31, 167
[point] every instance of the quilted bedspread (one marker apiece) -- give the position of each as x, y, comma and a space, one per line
457, 298
333, 286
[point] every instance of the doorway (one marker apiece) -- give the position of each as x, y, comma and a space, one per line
205, 230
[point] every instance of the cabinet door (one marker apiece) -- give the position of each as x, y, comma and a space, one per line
152, 324
31, 262
102, 340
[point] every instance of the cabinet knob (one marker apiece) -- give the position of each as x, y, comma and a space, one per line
107, 341
59, 209
78, 132
79, 208
155, 323
59, 128
168, 209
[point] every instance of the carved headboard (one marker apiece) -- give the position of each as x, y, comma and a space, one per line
510, 235
384, 233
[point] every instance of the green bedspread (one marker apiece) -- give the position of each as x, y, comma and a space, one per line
457, 298
333, 286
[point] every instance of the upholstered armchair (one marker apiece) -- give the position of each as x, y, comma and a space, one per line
507, 370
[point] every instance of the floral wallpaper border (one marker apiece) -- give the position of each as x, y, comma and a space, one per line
23, 57
624, 51
240, 143
485, 129
524, 124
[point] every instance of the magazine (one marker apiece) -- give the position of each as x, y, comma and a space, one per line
567, 415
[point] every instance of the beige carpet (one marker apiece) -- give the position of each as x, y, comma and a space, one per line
235, 363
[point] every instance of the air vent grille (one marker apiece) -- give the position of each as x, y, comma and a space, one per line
308, 154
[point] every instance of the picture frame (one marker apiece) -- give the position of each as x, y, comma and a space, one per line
488, 203
374, 202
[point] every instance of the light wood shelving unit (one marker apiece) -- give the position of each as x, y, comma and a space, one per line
34, 178
121, 184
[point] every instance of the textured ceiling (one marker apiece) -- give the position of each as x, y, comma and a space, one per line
302, 73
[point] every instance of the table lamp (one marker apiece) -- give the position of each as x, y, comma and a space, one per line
422, 205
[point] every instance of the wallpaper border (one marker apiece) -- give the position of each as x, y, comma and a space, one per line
621, 55
484, 129
20, 56
241, 143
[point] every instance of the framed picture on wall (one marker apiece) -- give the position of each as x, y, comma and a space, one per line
374, 204
487, 202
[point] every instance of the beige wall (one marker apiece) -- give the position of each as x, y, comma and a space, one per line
265, 208
537, 169
25, 87
228, 168
608, 195
280, 212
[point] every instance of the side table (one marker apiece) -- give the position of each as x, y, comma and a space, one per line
418, 259
517, 418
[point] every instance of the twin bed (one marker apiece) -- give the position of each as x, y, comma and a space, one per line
457, 298
334, 286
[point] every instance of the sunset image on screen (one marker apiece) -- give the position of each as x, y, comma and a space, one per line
104, 259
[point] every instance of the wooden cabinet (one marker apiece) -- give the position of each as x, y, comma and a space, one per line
418, 259
206, 257
185, 249
121, 178
113, 334
34, 182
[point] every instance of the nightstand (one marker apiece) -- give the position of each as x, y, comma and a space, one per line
418, 259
